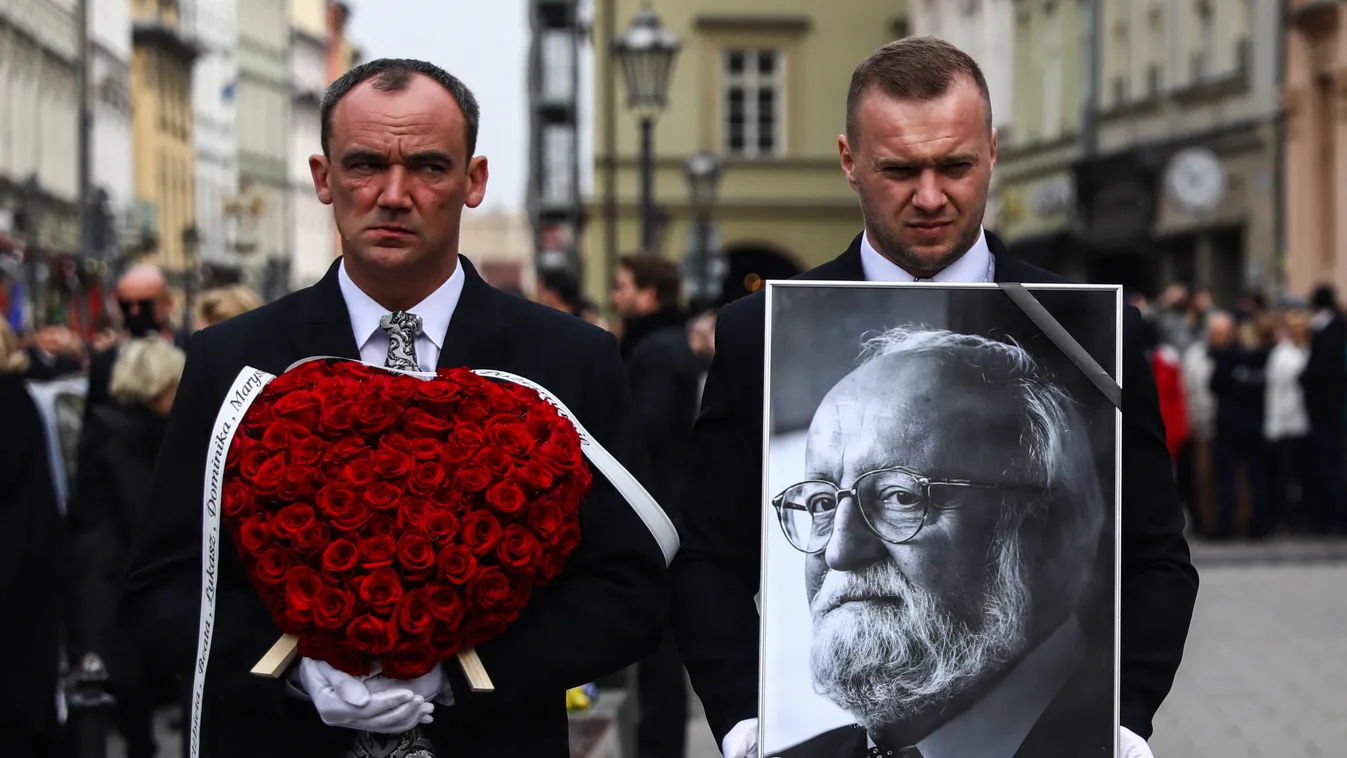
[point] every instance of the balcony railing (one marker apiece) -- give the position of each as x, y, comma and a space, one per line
167, 27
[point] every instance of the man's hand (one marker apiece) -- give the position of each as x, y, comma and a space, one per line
343, 700
742, 740
1130, 745
433, 687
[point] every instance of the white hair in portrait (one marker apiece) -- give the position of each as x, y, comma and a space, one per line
883, 663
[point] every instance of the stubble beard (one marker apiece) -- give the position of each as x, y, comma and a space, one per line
888, 663
885, 240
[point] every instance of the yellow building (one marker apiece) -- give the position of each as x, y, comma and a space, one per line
162, 56
762, 84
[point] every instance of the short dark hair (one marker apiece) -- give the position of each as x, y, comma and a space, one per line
914, 68
393, 75
650, 271
562, 283
1324, 296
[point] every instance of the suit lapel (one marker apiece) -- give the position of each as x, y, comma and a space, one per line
323, 325
844, 268
476, 336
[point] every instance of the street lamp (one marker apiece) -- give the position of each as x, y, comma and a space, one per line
703, 171
646, 51
191, 241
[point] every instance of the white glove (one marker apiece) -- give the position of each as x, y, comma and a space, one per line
432, 687
343, 700
742, 740
1130, 745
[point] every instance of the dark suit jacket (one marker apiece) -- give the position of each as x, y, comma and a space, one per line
601, 614
1325, 376
717, 570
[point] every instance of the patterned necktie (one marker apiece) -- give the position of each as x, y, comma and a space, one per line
402, 328
883, 752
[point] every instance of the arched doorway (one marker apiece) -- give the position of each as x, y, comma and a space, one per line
752, 264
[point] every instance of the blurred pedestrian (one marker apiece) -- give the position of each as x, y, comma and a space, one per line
1325, 383
1239, 384
220, 304
30, 534
122, 439
1287, 425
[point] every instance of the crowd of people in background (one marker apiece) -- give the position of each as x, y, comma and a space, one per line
1254, 399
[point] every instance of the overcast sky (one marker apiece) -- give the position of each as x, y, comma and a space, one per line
486, 45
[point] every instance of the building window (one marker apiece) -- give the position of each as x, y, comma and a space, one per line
1206, 32
753, 103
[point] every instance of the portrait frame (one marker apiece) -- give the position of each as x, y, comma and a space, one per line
1086, 353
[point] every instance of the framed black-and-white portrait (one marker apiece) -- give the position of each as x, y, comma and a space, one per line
940, 520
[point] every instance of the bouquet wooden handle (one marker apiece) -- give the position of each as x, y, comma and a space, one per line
283, 653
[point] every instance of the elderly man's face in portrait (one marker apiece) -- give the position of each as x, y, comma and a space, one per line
916, 592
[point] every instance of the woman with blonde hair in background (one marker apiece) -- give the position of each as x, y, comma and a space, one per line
1287, 423
121, 443
30, 529
223, 303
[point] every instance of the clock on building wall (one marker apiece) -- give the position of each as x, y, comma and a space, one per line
1196, 179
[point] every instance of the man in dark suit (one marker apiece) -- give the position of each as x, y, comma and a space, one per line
918, 149
1325, 383
398, 168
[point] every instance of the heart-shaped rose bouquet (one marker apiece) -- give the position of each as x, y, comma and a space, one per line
391, 519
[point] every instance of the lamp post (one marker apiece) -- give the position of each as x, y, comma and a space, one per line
703, 171
646, 51
191, 241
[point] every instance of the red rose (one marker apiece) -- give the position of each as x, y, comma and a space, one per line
482, 627
411, 511
360, 472
445, 604
439, 395
513, 439
488, 588
481, 532
472, 479
339, 557
438, 524
383, 496
338, 418
410, 661
506, 498
311, 538
372, 635
292, 518
400, 388
568, 538
464, 442
347, 516
332, 607
238, 499
425, 478
391, 464
545, 518
562, 451
382, 525
396, 441
349, 448
300, 406
307, 451
273, 564
347, 659
445, 640
376, 415
534, 475
377, 551
252, 460
423, 449
300, 586
280, 434
519, 549
289, 381
269, 477
416, 554
414, 613
473, 409
422, 424
521, 589
238, 447
255, 534
381, 590
300, 483
542, 419
456, 564
449, 499
493, 460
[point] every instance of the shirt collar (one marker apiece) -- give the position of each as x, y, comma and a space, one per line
974, 266
435, 311
997, 724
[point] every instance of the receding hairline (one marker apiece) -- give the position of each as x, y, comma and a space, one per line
915, 69
877, 89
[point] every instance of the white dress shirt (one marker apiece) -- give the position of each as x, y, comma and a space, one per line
974, 267
435, 312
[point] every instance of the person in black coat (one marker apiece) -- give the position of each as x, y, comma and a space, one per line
1325, 383
146, 305
919, 151
663, 374
116, 466
30, 540
1239, 384
398, 167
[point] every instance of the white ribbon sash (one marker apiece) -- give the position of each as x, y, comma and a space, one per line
248, 385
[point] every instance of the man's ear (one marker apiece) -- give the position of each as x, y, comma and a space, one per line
477, 176
848, 160
320, 168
